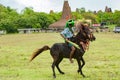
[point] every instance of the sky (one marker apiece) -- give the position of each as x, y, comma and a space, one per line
57, 5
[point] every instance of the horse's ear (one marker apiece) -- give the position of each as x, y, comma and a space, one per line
82, 27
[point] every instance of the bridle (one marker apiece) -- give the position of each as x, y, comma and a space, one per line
84, 35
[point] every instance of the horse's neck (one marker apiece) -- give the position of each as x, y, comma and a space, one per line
79, 37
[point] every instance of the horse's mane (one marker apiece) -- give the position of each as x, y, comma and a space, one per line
81, 26
81, 29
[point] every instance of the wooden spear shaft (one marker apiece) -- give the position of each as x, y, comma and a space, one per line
73, 44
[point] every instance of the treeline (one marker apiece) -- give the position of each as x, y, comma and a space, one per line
11, 20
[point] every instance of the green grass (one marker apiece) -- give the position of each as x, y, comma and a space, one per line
102, 59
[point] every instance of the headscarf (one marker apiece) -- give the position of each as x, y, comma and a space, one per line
69, 22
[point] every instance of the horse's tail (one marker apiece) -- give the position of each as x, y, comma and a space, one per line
38, 51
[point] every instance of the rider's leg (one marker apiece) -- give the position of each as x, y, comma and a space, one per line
83, 45
71, 53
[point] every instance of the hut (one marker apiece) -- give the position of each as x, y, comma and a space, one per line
107, 9
66, 14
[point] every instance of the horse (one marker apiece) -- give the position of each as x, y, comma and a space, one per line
59, 51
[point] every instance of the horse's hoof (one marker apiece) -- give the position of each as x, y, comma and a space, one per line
83, 76
54, 77
78, 71
62, 72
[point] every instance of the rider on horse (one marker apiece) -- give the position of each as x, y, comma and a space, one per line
59, 51
68, 34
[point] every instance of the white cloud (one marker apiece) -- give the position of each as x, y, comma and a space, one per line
39, 5
57, 5
115, 5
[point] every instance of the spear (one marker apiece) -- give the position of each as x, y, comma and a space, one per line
73, 44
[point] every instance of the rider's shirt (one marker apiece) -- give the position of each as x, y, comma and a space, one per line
67, 33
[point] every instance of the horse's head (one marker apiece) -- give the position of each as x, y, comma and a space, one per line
92, 37
85, 31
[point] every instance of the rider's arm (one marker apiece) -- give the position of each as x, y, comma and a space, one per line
64, 37
63, 34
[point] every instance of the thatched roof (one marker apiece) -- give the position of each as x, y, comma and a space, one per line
59, 24
66, 14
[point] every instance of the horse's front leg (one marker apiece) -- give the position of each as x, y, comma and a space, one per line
57, 64
83, 62
80, 67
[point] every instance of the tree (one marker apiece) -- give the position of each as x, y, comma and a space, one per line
82, 10
77, 15
116, 17
106, 17
44, 20
7, 18
55, 16
90, 16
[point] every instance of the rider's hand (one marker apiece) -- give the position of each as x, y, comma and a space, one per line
66, 40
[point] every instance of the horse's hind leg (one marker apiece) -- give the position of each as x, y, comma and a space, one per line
53, 66
80, 67
57, 65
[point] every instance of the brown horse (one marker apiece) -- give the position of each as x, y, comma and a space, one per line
61, 50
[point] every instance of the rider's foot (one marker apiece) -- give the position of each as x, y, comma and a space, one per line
71, 60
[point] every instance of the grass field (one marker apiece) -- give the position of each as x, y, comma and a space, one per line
102, 59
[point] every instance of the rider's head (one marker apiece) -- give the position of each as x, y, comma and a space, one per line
70, 23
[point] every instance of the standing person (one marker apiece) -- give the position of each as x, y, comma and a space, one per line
68, 34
